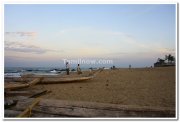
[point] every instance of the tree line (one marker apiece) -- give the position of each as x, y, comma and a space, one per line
168, 60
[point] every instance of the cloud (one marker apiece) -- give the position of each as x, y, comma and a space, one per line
97, 42
20, 47
108, 43
22, 34
166, 50
23, 42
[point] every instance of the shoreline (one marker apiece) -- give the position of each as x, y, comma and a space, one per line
135, 86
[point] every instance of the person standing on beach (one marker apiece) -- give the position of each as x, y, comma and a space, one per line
67, 68
79, 70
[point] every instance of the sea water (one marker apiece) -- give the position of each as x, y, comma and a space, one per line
19, 71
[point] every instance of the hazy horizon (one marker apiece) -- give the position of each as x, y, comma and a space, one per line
41, 35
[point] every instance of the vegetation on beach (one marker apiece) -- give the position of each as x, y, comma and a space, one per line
169, 60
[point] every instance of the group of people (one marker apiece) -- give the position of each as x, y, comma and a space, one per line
68, 68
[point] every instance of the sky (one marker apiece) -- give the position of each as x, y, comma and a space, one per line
42, 35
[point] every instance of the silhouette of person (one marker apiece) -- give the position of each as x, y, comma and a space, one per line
79, 69
67, 68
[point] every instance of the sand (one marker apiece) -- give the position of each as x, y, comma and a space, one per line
141, 86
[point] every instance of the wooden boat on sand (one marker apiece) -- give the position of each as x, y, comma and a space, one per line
15, 86
66, 80
19, 86
63, 108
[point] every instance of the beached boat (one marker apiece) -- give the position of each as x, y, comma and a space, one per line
63, 108
9, 103
19, 86
66, 80
40, 80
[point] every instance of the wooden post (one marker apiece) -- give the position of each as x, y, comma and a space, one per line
27, 111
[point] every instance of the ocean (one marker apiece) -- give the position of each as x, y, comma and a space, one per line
19, 71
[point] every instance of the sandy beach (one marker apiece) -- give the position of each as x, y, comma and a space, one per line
139, 86
122, 60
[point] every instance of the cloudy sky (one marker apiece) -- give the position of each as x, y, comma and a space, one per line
44, 34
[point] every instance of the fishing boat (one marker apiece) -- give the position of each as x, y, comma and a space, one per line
65, 79
38, 107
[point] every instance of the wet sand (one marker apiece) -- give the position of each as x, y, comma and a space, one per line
141, 86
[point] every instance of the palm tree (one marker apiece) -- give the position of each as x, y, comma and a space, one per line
173, 59
170, 58
166, 57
